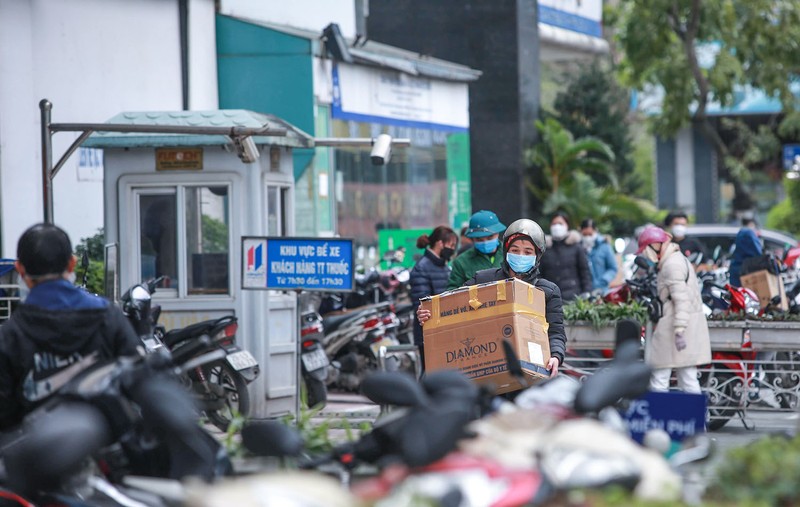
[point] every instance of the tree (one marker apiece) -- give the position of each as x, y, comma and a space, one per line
565, 177
94, 246
703, 51
594, 105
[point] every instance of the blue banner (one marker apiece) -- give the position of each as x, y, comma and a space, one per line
321, 264
679, 414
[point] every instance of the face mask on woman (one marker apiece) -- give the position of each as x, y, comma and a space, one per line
588, 241
446, 253
520, 263
558, 231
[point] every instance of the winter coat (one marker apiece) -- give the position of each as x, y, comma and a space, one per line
679, 292
747, 245
470, 262
565, 264
553, 303
58, 327
428, 277
603, 264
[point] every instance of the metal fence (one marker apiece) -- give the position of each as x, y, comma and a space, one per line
755, 367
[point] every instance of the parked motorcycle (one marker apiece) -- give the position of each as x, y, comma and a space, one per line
112, 420
314, 362
220, 388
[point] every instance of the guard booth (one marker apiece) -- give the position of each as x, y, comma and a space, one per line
178, 205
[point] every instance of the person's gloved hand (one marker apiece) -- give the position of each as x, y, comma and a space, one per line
680, 340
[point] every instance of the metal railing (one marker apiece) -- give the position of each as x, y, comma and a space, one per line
755, 365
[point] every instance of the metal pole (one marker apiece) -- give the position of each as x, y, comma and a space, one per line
47, 160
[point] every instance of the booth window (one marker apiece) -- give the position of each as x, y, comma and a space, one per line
207, 242
192, 219
276, 210
158, 238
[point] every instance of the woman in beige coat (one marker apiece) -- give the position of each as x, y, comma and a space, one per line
680, 340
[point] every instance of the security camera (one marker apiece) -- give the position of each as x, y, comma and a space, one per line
381, 150
246, 149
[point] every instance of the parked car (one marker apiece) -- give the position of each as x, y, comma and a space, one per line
724, 236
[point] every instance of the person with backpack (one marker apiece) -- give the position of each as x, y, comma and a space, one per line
680, 340
524, 244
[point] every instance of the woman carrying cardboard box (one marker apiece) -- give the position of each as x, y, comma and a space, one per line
524, 244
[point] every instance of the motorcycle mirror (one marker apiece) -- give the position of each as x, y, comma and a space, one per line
393, 388
612, 383
53, 446
514, 365
271, 438
452, 381
642, 262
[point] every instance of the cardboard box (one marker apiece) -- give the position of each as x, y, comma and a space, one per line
766, 285
468, 326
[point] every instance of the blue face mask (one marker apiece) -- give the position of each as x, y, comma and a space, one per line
520, 263
487, 247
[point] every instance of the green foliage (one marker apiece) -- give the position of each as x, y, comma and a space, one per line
567, 175
593, 105
94, 246
698, 53
644, 168
785, 216
765, 472
601, 314
215, 235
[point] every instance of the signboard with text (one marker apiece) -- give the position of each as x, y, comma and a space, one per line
283, 263
679, 414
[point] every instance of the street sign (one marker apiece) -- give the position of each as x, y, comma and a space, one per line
790, 151
282, 263
679, 414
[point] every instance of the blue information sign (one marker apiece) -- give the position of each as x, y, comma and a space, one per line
280, 263
679, 414
790, 151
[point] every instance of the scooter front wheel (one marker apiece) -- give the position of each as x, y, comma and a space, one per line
724, 391
232, 387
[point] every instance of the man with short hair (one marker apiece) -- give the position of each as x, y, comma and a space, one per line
676, 222
484, 230
58, 330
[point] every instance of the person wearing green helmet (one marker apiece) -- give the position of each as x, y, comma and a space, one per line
484, 231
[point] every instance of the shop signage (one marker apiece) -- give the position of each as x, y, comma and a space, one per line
280, 263
679, 414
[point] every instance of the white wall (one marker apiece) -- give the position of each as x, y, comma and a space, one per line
308, 14
92, 59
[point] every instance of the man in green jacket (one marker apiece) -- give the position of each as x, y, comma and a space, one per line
484, 230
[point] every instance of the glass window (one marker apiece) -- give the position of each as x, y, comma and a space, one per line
276, 210
207, 234
158, 238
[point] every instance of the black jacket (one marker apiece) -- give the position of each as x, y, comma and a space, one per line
565, 264
552, 297
38, 345
428, 278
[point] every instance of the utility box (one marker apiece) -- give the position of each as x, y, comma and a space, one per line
177, 206
469, 325
767, 286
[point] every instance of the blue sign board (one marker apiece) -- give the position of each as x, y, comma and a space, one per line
679, 414
281, 263
789, 152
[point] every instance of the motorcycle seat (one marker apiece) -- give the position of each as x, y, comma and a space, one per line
175, 336
333, 322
